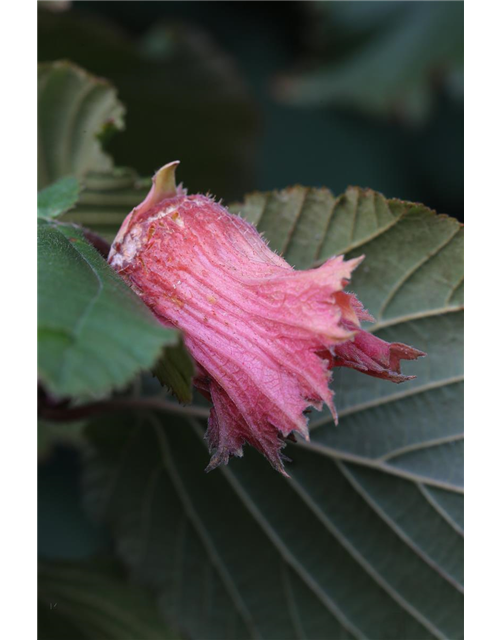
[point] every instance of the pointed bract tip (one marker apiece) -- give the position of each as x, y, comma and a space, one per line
355, 262
164, 183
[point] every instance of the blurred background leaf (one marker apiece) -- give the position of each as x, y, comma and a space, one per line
58, 197
53, 433
65, 531
55, 5
184, 97
107, 199
383, 58
75, 112
92, 601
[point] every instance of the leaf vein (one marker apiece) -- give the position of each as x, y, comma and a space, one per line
288, 557
401, 282
436, 442
394, 397
363, 563
290, 601
397, 529
170, 467
293, 227
440, 510
337, 454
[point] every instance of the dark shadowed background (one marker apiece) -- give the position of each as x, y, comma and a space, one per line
261, 95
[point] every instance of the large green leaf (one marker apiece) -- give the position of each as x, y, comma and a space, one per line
94, 333
80, 601
365, 539
411, 279
384, 58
